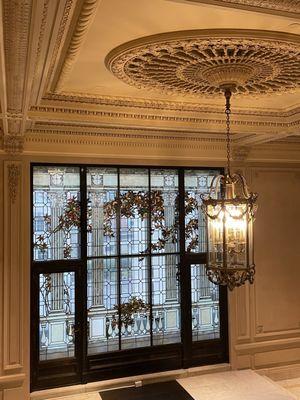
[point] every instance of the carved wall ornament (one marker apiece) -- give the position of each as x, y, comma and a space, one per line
259, 329
13, 144
14, 173
197, 62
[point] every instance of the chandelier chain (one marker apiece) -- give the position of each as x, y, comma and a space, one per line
228, 112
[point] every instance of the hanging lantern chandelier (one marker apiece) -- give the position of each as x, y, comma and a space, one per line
229, 208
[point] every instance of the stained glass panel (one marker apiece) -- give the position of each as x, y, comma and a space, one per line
165, 300
102, 189
102, 305
135, 303
132, 236
164, 211
57, 315
205, 305
134, 211
56, 213
196, 182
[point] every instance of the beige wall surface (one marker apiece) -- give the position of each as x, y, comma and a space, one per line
264, 318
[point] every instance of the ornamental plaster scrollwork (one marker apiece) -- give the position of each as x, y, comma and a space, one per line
285, 6
292, 6
14, 173
87, 13
197, 62
259, 329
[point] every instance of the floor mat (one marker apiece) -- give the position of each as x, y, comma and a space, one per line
155, 391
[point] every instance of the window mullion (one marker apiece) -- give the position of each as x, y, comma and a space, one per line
150, 257
118, 223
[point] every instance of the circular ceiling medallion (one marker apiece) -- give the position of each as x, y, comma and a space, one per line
202, 62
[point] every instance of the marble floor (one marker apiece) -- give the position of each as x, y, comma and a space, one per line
232, 385
292, 385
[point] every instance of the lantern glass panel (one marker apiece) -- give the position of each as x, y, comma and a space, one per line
215, 236
227, 235
235, 225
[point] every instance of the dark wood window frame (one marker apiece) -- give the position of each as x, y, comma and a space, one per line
83, 368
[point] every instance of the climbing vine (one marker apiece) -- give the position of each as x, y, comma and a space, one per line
137, 204
129, 204
70, 218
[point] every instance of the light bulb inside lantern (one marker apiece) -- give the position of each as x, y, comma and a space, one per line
228, 233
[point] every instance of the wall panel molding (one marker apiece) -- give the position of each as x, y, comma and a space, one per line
13, 291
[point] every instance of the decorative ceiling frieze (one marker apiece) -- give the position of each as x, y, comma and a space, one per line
290, 8
197, 62
43, 112
80, 100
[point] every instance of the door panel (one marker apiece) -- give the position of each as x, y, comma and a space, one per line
56, 331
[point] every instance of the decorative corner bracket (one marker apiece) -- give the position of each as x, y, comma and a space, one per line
13, 144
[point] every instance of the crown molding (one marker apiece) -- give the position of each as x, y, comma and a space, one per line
16, 29
116, 144
203, 122
85, 18
123, 132
286, 8
81, 100
63, 26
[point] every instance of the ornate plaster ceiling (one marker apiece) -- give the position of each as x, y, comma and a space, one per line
56, 92
198, 62
286, 7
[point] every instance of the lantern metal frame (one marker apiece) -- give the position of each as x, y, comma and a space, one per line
229, 262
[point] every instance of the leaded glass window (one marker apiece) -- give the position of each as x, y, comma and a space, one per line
129, 232
196, 182
57, 315
56, 213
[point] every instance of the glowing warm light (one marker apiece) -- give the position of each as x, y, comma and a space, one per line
230, 238
229, 208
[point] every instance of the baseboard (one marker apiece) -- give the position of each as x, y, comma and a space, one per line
128, 381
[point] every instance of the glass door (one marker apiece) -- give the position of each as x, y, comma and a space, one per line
57, 276
205, 338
